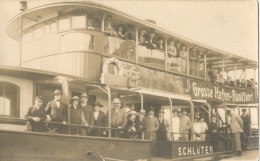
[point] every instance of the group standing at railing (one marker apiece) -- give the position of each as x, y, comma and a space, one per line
125, 122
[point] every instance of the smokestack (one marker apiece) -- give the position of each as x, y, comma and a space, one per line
23, 5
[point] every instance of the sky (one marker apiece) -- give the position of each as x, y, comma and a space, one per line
227, 25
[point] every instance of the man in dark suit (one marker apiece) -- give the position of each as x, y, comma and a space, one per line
35, 116
55, 112
246, 128
99, 120
88, 112
151, 125
163, 127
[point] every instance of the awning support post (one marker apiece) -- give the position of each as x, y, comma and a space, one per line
109, 110
142, 100
170, 101
191, 114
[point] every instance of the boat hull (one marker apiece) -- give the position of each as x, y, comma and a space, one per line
38, 146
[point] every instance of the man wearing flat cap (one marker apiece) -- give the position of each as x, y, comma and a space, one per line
151, 124
88, 112
247, 127
118, 118
56, 112
35, 115
99, 120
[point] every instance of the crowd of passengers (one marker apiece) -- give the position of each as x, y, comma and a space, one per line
216, 77
125, 121
89, 120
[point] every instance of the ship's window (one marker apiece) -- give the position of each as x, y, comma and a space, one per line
64, 23
76, 42
78, 21
38, 31
9, 99
28, 34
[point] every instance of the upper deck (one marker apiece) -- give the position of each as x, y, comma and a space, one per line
56, 37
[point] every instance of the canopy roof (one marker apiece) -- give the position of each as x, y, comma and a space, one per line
42, 13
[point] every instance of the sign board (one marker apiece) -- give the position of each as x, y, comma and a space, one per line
221, 93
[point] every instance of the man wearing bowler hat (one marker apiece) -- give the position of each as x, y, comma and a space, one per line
118, 118
35, 115
55, 112
88, 112
99, 120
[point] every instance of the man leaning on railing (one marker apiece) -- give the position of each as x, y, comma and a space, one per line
35, 115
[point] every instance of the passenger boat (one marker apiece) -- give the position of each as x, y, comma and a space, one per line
60, 51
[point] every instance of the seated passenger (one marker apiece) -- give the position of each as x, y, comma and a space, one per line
238, 82
228, 81
76, 117
151, 125
120, 32
97, 24
142, 40
160, 44
132, 125
91, 23
164, 127
55, 112
109, 29
88, 112
211, 73
243, 82
35, 115
151, 41
129, 33
99, 121
183, 55
172, 55
118, 118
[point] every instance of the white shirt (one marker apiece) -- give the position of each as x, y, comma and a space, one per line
175, 124
57, 103
204, 127
96, 114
